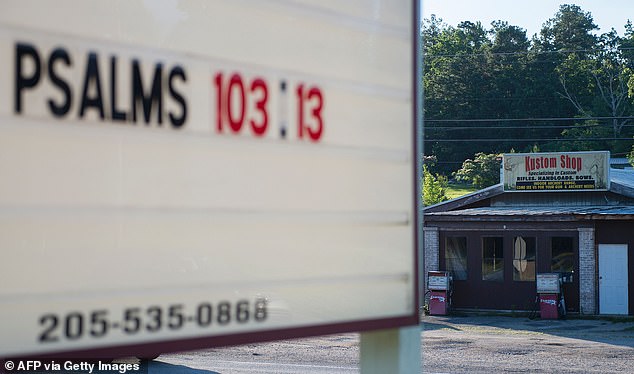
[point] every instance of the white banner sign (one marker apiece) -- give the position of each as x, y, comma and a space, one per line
177, 175
564, 171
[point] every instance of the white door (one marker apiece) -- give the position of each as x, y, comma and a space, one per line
613, 279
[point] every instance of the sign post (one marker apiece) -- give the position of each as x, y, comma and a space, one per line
181, 175
396, 351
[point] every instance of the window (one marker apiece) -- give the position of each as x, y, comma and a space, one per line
456, 257
562, 255
492, 259
523, 259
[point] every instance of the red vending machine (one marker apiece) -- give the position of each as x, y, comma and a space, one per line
439, 285
551, 302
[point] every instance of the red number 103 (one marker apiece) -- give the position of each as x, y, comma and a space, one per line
236, 115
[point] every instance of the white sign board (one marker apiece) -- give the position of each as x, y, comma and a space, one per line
437, 282
561, 171
548, 283
177, 175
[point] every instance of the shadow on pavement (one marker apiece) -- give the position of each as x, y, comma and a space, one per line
158, 367
430, 326
597, 330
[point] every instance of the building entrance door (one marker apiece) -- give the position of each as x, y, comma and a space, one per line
613, 279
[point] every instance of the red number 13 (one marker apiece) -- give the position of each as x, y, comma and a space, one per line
312, 124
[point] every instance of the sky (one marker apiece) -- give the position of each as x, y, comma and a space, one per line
528, 14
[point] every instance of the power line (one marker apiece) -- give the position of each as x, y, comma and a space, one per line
528, 119
519, 53
579, 127
467, 99
528, 140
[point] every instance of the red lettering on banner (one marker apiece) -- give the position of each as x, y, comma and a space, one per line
536, 163
568, 162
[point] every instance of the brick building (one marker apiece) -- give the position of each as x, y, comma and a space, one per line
550, 214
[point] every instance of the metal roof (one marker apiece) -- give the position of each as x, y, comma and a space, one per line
624, 177
540, 211
622, 183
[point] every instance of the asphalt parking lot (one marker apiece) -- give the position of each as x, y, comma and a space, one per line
452, 344
492, 344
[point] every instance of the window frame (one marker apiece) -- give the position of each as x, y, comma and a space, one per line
501, 259
571, 257
516, 273
465, 257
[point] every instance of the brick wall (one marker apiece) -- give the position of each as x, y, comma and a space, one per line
431, 241
587, 272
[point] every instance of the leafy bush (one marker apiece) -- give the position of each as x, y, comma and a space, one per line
483, 171
434, 188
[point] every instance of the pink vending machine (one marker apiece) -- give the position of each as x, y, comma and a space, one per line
439, 285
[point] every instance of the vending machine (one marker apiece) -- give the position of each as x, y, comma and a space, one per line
550, 297
439, 284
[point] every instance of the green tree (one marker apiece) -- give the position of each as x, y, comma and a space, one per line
434, 188
602, 78
456, 78
492, 90
508, 97
559, 70
570, 30
481, 172
592, 72
627, 45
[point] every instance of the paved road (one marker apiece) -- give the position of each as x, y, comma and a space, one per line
318, 355
450, 345
520, 345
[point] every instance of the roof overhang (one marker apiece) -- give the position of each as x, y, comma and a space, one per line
534, 214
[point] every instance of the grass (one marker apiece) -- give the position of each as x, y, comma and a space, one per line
455, 190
